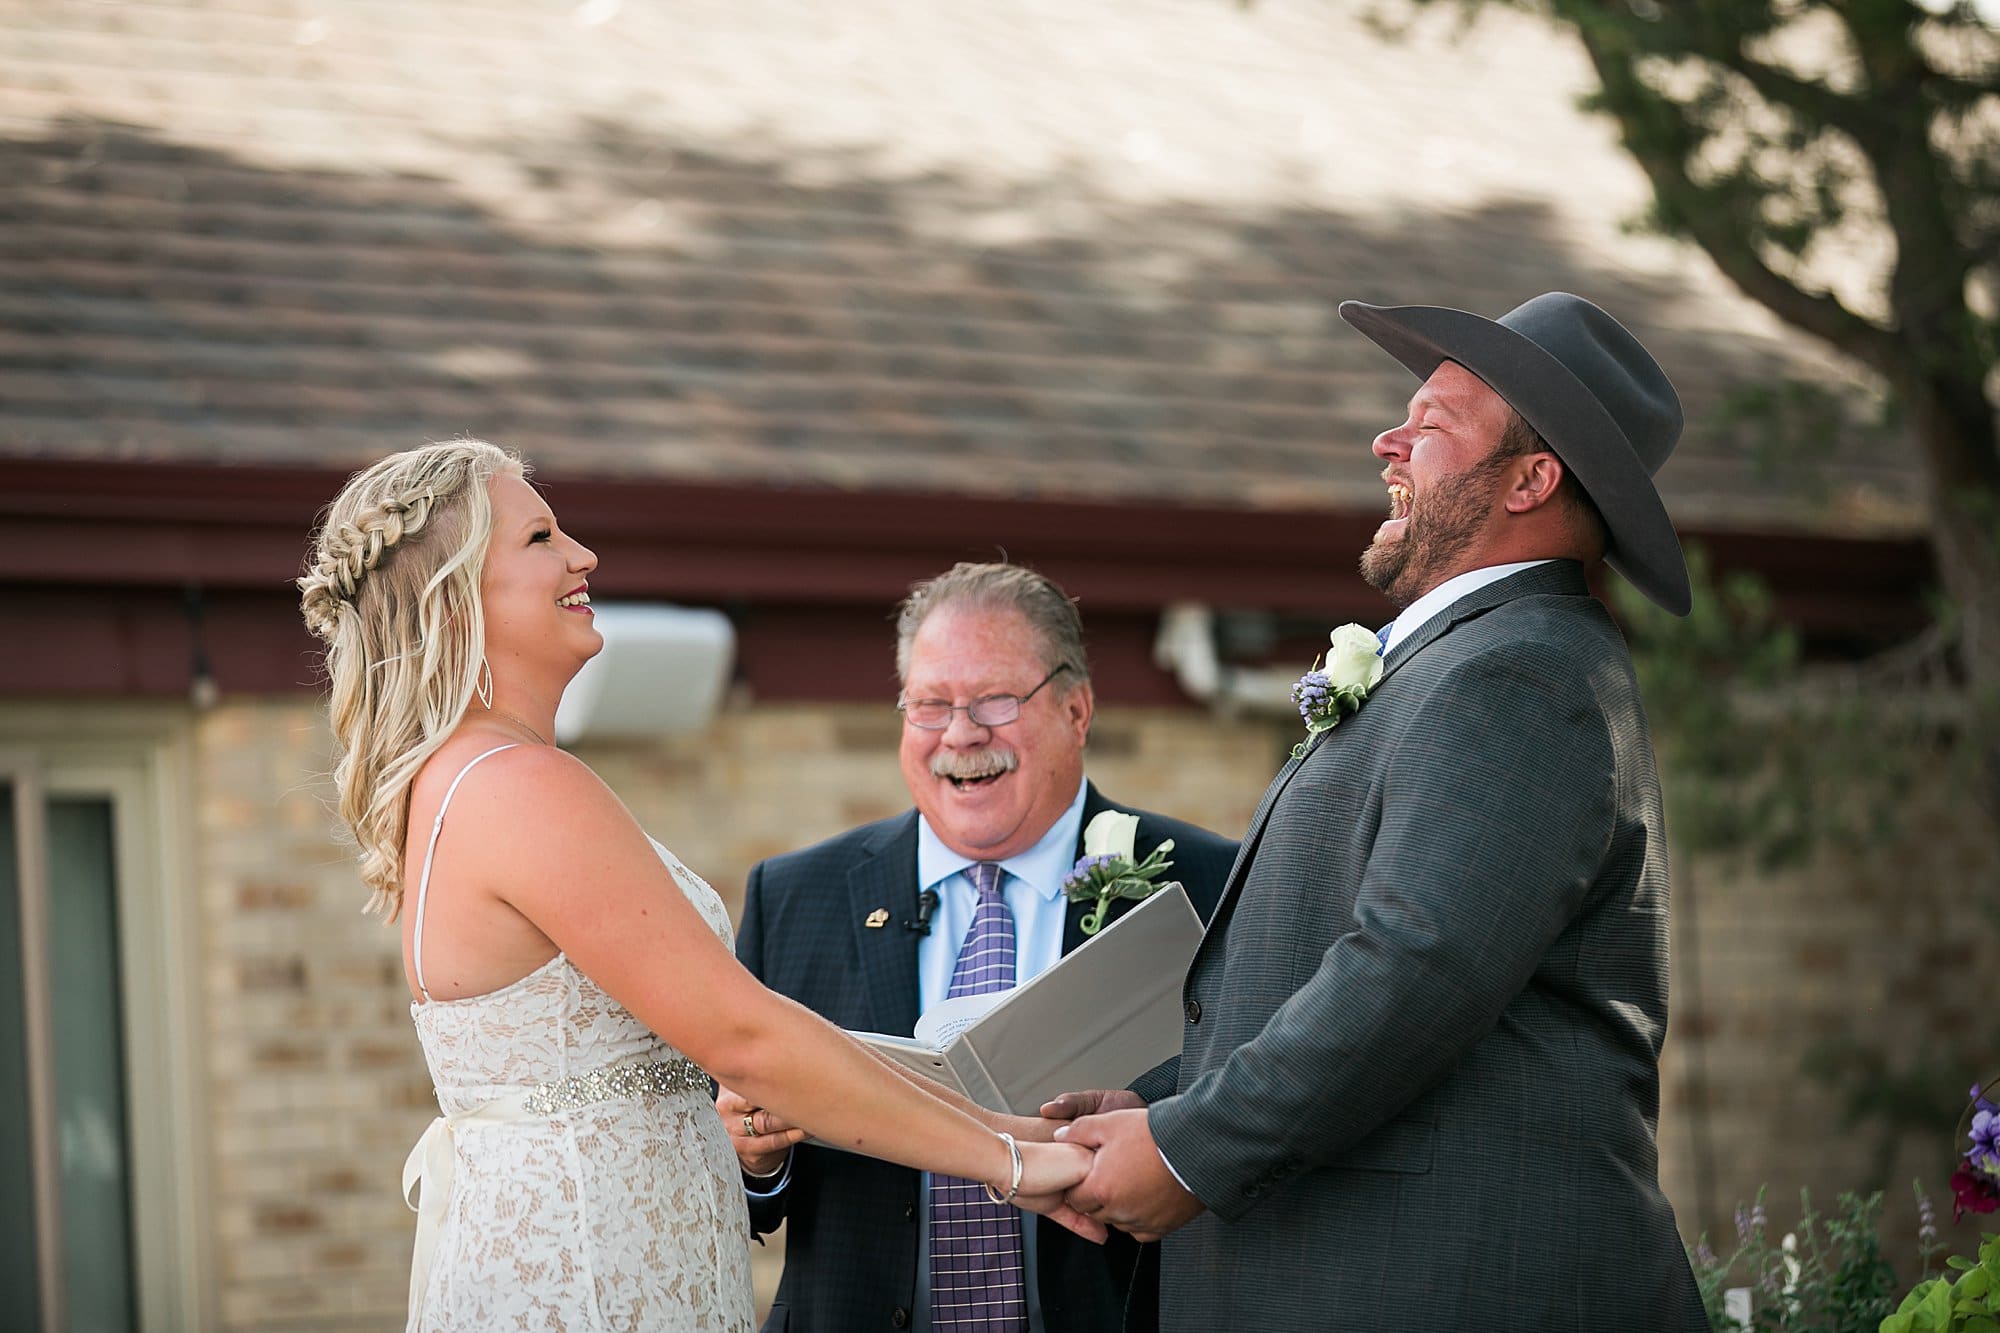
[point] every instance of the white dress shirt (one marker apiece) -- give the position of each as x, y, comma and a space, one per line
1439, 599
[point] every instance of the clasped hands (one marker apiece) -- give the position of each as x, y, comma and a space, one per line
1122, 1181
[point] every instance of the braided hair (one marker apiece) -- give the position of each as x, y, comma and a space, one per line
392, 587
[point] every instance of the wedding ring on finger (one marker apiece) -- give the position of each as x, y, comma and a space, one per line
749, 1125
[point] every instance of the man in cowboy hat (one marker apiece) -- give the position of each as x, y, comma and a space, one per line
1419, 1081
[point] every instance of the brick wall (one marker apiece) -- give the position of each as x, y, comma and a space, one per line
1886, 949
317, 1084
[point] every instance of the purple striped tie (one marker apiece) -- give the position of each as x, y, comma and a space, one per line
976, 1273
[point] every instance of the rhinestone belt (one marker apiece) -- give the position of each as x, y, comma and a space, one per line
616, 1083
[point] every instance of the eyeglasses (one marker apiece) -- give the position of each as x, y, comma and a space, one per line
988, 710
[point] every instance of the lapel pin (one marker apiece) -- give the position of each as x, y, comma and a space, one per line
878, 918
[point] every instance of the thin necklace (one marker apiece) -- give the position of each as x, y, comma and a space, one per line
519, 723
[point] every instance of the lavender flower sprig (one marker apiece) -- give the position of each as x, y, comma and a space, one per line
1327, 694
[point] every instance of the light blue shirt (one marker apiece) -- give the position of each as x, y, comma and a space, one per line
1033, 890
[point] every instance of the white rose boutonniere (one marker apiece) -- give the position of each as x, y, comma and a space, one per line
1328, 693
1106, 869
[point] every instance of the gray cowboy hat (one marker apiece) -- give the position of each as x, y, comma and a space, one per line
1586, 385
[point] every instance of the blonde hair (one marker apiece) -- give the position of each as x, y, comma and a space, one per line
393, 589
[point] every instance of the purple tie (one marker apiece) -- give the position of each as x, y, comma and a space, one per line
976, 1274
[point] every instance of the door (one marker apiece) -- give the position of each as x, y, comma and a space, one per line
87, 997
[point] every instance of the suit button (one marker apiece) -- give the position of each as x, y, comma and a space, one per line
1194, 1011
909, 1212
900, 1318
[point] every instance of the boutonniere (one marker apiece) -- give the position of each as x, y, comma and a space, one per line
1328, 693
1106, 869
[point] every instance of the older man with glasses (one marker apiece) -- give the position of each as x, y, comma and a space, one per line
962, 894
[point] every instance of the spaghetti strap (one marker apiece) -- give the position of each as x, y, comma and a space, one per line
424, 882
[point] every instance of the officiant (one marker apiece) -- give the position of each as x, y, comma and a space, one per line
962, 894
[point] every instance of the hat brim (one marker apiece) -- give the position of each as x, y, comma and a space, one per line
1642, 543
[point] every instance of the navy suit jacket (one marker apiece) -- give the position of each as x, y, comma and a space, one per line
851, 1250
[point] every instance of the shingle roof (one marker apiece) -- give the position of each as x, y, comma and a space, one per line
1012, 248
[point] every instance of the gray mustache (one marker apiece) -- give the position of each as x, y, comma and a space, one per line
966, 765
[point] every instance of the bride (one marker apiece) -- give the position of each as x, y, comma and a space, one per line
572, 982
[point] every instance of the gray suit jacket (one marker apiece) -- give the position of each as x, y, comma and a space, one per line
1419, 1083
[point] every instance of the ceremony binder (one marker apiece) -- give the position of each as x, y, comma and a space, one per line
1104, 1014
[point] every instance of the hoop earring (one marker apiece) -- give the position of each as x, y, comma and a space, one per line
483, 687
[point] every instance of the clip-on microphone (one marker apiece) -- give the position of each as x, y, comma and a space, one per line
927, 902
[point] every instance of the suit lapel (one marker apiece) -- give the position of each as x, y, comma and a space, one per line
1246, 850
1558, 576
1564, 577
886, 878
1142, 847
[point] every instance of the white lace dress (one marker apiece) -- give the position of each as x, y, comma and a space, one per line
610, 1199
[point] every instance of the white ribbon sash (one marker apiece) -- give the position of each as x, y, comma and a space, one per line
427, 1175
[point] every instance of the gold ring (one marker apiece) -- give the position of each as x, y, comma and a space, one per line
749, 1129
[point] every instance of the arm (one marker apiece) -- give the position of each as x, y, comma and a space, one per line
764, 1153
552, 842
1466, 887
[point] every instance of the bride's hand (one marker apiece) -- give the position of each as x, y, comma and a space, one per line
1027, 1128
1047, 1171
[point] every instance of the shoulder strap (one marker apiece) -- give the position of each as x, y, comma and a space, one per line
424, 882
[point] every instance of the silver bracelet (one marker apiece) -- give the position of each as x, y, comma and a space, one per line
1014, 1187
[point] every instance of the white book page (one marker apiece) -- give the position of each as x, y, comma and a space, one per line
947, 1018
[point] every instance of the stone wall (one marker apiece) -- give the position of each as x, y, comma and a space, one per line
317, 1085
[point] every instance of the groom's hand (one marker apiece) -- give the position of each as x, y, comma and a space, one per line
1129, 1185
1071, 1105
761, 1138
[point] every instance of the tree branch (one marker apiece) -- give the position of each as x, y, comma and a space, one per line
1663, 157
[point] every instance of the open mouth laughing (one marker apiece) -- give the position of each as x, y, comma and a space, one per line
972, 771
1402, 503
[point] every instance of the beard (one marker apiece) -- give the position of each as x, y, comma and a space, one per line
1443, 524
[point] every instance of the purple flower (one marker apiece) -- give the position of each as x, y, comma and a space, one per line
1926, 1221
1084, 865
1704, 1257
1757, 1216
1309, 693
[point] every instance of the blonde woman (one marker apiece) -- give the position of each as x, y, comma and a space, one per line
571, 981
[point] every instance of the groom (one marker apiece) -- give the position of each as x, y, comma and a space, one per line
1419, 1082
877, 924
